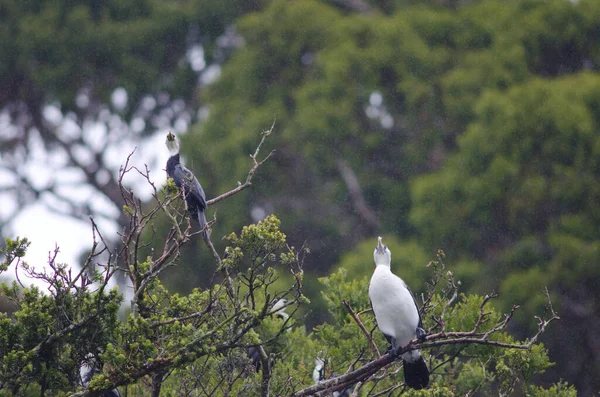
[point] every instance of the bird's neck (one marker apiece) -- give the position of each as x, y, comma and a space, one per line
283, 315
173, 146
172, 162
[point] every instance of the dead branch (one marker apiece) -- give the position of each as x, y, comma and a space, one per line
265, 384
359, 203
256, 164
374, 350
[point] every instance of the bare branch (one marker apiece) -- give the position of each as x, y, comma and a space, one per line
265, 384
374, 350
357, 389
361, 207
543, 323
252, 171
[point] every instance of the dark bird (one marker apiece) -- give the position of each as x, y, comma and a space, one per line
254, 356
397, 316
90, 367
186, 181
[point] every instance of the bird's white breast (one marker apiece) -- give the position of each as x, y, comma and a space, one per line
393, 305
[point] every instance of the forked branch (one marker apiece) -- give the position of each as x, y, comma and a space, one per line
255, 164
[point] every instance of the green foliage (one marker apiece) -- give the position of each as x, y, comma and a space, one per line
515, 193
264, 238
15, 249
171, 187
50, 332
336, 291
560, 389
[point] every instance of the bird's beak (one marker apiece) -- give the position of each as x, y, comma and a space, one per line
380, 247
170, 137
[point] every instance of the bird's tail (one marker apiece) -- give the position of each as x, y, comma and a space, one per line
416, 374
202, 222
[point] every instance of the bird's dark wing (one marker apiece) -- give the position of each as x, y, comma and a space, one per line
111, 393
415, 302
346, 393
191, 185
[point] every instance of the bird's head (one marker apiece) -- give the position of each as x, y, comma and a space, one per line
87, 367
278, 306
319, 363
382, 254
172, 143
319, 371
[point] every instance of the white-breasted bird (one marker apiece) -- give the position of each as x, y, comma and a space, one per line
319, 371
277, 311
318, 375
185, 180
397, 316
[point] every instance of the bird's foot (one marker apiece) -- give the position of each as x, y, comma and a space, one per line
398, 351
394, 349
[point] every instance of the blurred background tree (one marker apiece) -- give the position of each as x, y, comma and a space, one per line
82, 79
470, 126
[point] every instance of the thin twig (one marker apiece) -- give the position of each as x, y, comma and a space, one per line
374, 350
252, 171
